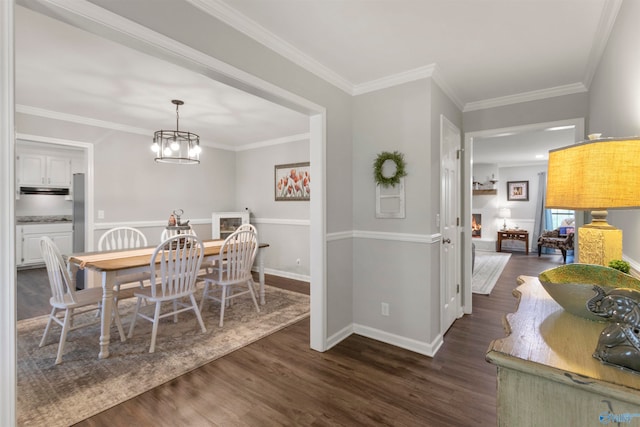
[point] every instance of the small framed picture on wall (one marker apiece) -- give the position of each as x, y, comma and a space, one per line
292, 182
518, 191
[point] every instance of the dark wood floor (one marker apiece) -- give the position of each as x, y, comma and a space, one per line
280, 381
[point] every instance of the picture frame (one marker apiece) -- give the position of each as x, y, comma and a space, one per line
518, 191
292, 182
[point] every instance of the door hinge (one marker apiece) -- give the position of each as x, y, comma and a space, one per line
458, 221
458, 288
457, 154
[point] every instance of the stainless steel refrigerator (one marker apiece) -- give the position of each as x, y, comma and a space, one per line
79, 223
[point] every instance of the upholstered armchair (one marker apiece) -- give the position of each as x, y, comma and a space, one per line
553, 239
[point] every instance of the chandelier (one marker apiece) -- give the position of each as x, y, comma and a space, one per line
176, 146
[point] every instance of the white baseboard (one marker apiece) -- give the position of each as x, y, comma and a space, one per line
427, 349
285, 274
339, 336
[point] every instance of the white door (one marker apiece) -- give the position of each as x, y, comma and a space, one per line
450, 224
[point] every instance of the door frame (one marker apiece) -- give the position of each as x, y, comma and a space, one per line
467, 187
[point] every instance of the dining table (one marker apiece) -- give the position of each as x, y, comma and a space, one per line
112, 264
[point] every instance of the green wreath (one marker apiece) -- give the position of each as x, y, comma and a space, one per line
398, 159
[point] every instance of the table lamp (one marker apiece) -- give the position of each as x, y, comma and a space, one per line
596, 175
504, 213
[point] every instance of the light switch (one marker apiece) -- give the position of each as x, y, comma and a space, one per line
100, 214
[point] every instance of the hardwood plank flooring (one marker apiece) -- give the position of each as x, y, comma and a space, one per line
279, 381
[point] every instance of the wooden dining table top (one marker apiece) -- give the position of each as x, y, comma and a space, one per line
131, 258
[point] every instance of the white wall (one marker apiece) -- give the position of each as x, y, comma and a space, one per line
614, 105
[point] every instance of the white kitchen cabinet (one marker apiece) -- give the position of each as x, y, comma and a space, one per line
28, 245
225, 223
41, 170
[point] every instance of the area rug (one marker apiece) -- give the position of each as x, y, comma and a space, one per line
82, 386
487, 269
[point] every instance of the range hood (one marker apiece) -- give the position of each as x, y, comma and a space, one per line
45, 190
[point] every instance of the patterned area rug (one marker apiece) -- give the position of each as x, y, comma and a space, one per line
82, 386
487, 270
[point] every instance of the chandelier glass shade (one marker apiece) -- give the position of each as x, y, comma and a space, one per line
176, 146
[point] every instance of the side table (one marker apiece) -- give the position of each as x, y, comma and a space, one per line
521, 235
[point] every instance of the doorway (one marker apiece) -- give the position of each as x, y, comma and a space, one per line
575, 129
154, 44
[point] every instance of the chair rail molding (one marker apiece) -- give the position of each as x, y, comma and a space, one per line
384, 235
282, 221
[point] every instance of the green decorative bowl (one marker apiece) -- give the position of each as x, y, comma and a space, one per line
571, 285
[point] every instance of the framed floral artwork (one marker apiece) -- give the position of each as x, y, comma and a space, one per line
518, 190
292, 182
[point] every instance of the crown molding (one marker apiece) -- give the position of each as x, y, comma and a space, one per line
601, 38
72, 118
220, 10
428, 71
252, 29
88, 121
395, 79
448, 89
526, 97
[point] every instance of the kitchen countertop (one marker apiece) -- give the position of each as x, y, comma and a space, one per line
43, 219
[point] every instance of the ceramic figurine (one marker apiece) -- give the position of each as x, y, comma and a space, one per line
619, 342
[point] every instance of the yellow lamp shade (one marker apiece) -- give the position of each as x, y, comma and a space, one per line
595, 175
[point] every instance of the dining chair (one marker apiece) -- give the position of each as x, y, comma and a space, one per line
166, 233
124, 238
251, 227
247, 226
175, 264
238, 252
65, 297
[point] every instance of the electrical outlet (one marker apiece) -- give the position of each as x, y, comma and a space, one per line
100, 214
384, 308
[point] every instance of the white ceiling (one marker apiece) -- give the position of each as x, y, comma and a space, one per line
482, 52
62, 69
526, 147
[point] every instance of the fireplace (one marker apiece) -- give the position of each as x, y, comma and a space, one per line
476, 225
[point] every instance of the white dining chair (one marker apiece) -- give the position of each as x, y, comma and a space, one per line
166, 233
247, 226
175, 264
238, 252
124, 238
64, 297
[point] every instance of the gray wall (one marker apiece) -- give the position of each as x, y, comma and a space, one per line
131, 186
394, 270
284, 224
254, 177
614, 106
